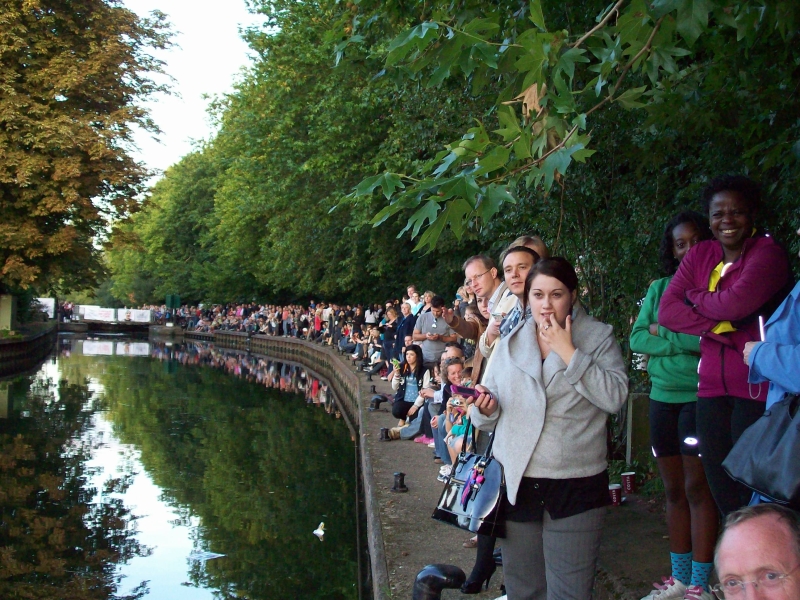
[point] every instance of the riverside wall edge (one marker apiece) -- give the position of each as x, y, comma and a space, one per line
347, 387
18, 356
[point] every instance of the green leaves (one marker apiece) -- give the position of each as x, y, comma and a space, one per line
496, 158
537, 18
692, 18
567, 60
542, 69
629, 98
416, 38
388, 182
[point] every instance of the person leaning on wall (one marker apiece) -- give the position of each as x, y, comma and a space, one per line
720, 290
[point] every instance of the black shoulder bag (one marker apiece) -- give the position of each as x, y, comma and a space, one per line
765, 457
473, 494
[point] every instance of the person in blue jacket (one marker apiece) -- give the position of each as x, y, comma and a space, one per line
777, 359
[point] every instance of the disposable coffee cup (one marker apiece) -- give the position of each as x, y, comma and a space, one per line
629, 482
615, 491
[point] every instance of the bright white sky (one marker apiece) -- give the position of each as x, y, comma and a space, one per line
206, 60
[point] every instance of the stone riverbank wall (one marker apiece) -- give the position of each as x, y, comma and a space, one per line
18, 355
323, 362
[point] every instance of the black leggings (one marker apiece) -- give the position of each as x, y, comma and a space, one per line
484, 560
400, 409
720, 423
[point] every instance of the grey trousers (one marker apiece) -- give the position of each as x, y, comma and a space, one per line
553, 559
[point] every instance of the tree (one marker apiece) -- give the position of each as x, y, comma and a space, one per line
177, 224
249, 215
73, 75
716, 71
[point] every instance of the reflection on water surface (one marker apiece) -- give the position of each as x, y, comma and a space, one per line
126, 469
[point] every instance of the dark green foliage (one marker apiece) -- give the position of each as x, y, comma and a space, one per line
412, 118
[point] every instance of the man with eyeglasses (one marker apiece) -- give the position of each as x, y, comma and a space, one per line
432, 333
758, 554
480, 274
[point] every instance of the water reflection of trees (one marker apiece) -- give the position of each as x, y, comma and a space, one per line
60, 538
258, 467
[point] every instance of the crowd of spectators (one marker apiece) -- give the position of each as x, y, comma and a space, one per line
317, 321
545, 375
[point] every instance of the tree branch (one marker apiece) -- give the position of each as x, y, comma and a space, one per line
614, 10
475, 37
538, 161
627, 68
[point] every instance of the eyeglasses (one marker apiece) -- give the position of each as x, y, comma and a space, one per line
734, 588
474, 279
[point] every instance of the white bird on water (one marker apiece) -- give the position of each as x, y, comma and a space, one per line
320, 531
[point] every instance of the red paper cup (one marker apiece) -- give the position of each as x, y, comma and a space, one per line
615, 491
629, 482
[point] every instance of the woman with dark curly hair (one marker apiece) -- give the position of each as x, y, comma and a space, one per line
720, 290
691, 513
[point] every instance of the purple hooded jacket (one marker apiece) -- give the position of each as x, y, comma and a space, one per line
753, 285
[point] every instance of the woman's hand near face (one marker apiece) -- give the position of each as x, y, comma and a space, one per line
485, 403
558, 338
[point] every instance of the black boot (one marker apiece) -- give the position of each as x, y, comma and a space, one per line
484, 566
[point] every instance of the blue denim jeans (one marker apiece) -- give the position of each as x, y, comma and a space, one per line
439, 434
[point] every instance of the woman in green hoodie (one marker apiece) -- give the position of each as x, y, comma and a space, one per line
691, 512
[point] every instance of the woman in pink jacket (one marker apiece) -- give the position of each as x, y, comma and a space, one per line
719, 292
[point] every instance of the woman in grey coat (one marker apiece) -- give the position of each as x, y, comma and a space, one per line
548, 391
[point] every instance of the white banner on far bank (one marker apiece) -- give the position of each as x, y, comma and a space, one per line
93, 348
133, 349
96, 313
131, 315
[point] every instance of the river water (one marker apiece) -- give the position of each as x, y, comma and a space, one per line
137, 470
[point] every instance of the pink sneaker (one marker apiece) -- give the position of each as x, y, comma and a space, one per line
695, 592
668, 589
423, 440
